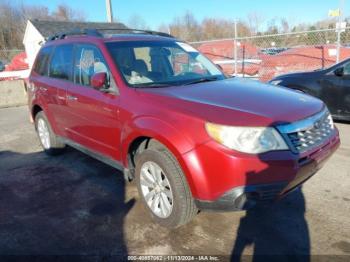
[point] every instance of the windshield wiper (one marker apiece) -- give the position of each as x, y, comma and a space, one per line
150, 85
202, 80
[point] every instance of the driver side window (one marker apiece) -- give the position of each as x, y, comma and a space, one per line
88, 61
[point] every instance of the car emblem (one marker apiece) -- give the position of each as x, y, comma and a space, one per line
317, 124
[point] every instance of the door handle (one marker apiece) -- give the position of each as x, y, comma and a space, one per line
60, 97
41, 88
72, 98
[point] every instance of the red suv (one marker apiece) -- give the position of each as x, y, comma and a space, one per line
154, 107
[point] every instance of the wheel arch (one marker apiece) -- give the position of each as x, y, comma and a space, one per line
302, 88
37, 107
35, 110
148, 131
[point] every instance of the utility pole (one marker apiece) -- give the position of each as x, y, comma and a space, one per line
109, 11
339, 28
235, 48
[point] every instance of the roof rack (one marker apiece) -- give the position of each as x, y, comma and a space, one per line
87, 31
95, 32
135, 31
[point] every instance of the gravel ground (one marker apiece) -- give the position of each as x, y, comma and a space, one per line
74, 205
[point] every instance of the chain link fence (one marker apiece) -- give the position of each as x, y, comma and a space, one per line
263, 57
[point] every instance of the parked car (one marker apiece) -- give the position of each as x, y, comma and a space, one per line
332, 85
2, 66
273, 50
157, 109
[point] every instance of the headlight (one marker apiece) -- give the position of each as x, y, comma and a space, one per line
252, 140
275, 82
330, 120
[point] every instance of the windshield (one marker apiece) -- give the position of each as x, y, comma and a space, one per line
161, 63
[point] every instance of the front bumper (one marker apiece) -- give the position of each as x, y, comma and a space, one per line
244, 197
254, 179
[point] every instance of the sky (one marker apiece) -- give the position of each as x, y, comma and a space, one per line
156, 12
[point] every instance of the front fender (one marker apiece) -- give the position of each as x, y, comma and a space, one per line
158, 129
177, 142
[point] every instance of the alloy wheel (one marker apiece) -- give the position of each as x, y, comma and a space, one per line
156, 189
44, 133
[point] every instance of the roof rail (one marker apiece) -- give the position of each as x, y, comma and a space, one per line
95, 32
135, 31
86, 31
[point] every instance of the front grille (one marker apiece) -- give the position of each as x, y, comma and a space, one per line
309, 133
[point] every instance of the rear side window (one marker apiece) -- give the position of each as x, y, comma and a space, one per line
41, 64
62, 62
88, 61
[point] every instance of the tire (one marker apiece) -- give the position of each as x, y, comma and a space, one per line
183, 208
50, 144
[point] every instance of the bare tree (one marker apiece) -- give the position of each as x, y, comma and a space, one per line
272, 27
186, 27
164, 28
13, 20
217, 28
35, 12
64, 13
137, 22
255, 21
284, 25
10, 32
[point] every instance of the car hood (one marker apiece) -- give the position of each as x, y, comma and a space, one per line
299, 75
238, 102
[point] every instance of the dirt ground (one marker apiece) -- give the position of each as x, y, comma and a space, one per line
74, 205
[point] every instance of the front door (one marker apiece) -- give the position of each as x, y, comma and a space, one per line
344, 97
93, 115
335, 91
329, 91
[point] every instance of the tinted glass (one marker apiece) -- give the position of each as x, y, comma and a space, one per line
347, 69
61, 62
41, 65
88, 61
159, 63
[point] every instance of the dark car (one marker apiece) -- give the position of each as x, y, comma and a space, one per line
154, 107
274, 50
332, 85
2, 66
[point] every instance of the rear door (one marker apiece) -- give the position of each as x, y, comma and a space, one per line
39, 77
61, 77
47, 87
93, 115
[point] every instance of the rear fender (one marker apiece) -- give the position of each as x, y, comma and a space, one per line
37, 101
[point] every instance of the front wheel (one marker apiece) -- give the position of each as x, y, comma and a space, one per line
47, 137
163, 188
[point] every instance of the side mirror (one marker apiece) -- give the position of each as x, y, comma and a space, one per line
339, 71
99, 80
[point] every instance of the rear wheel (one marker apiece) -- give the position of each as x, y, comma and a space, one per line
163, 188
48, 139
